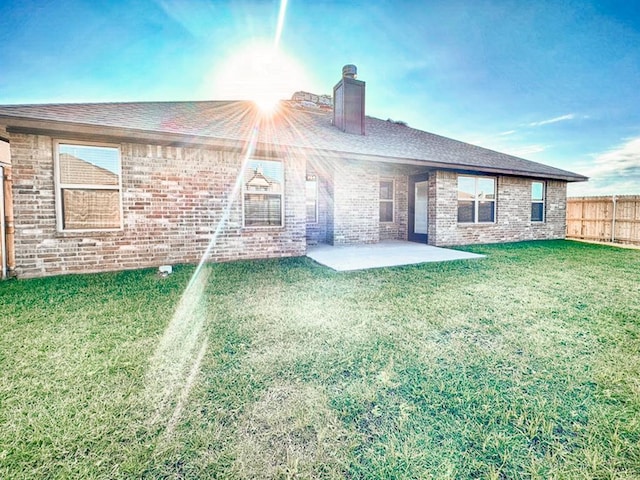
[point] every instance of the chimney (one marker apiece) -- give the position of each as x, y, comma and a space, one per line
348, 102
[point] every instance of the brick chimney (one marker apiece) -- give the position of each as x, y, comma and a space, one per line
348, 102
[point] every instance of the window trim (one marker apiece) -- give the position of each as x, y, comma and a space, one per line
542, 202
391, 200
244, 192
59, 186
475, 201
317, 196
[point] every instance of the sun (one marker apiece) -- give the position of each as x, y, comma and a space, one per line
261, 73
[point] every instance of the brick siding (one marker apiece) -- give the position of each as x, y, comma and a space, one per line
173, 201
357, 184
513, 212
356, 191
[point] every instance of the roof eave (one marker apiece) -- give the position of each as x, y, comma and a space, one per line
81, 131
436, 164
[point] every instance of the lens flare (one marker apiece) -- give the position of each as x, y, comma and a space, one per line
260, 73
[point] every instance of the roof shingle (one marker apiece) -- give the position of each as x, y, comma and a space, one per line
289, 127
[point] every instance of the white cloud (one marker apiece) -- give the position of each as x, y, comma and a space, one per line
525, 150
510, 146
562, 118
616, 171
594, 188
622, 160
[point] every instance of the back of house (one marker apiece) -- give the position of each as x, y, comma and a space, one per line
95, 187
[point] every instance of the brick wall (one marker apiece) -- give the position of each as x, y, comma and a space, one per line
355, 199
513, 213
173, 201
349, 203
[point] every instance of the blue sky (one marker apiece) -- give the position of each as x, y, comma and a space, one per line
553, 81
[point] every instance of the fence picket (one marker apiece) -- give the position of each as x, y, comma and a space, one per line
605, 219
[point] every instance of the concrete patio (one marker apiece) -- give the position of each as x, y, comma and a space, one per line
388, 253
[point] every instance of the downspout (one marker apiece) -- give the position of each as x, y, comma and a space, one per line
613, 220
9, 227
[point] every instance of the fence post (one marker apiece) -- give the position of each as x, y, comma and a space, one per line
613, 220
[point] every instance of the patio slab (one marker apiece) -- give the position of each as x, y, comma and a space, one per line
388, 253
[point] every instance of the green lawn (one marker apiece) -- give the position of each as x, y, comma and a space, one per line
525, 364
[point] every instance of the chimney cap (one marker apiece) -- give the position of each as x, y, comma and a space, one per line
350, 71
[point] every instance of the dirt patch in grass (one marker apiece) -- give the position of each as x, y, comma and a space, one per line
291, 433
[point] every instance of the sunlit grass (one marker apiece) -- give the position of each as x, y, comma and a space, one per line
523, 365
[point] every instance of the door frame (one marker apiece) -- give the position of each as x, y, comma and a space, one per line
411, 236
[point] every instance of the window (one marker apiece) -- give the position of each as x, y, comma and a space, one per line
476, 199
88, 187
537, 201
263, 203
311, 192
386, 201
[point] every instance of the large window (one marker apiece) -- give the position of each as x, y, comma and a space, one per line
386, 201
537, 201
263, 187
88, 187
476, 199
311, 194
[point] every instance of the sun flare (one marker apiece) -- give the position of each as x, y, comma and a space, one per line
260, 73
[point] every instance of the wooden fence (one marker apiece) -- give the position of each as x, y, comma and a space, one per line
604, 219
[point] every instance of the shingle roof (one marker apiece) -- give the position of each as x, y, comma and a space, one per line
289, 127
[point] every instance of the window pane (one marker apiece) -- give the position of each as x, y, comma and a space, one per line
486, 211
466, 188
263, 183
537, 212
312, 216
311, 199
91, 209
465, 211
264, 176
486, 189
386, 211
262, 210
89, 165
421, 207
537, 191
386, 190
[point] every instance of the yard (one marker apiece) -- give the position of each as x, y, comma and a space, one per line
525, 364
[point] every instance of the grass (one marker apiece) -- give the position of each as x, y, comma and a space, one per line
525, 364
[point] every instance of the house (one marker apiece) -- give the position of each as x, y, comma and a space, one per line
92, 187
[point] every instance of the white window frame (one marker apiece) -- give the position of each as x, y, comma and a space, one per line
281, 194
316, 181
476, 202
391, 200
542, 201
59, 186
